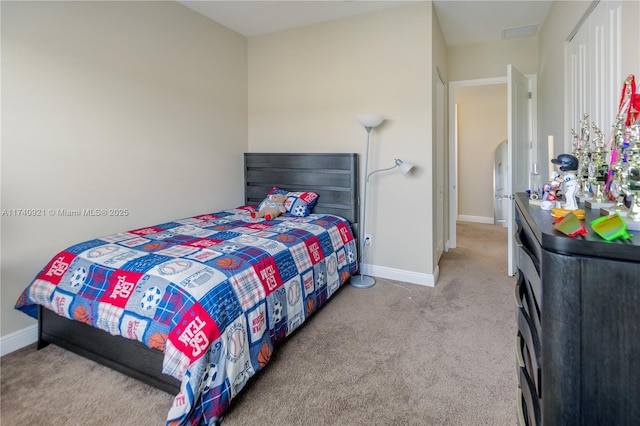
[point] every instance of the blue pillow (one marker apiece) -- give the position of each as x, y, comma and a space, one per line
301, 203
298, 203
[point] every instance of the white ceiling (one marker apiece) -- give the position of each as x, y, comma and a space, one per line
462, 22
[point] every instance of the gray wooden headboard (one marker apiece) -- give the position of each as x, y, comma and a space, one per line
334, 177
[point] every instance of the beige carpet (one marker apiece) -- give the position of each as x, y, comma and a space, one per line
395, 354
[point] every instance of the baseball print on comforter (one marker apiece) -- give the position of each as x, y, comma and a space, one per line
215, 292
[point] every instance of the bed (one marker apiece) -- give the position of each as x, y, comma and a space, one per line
196, 306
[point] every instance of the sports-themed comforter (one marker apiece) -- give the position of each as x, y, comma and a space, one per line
215, 292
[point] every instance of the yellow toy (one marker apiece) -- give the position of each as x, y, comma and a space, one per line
271, 207
561, 212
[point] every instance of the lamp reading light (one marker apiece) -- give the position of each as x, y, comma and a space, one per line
370, 121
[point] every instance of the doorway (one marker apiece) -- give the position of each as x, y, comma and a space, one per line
456, 182
461, 182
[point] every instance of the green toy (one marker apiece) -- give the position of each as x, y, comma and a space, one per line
611, 227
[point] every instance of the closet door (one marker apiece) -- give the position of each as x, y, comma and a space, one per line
578, 76
595, 67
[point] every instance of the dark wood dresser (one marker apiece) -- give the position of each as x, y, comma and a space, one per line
578, 314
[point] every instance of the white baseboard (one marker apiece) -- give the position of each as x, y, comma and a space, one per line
18, 340
401, 275
475, 219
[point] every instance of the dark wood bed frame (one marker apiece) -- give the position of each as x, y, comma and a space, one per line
334, 177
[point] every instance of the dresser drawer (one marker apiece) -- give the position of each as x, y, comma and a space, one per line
528, 302
528, 347
522, 413
530, 401
527, 236
530, 267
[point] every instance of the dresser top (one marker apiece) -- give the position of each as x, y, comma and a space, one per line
541, 223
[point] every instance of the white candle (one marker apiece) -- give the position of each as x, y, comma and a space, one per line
550, 153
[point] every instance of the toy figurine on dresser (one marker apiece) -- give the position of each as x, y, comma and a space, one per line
569, 166
550, 192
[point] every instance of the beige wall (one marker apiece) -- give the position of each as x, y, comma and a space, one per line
306, 87
489, 60
482, 115
133, 105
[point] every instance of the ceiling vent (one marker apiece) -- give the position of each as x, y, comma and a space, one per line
519, 32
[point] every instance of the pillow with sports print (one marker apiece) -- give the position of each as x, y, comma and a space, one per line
301, 203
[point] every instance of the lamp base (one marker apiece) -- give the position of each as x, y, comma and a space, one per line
362, 281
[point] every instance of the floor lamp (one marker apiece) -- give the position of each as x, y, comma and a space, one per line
369, 121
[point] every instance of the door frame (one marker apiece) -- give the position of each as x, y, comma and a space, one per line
520, 149
440, 157
453, 140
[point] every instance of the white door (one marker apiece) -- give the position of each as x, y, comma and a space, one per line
517, 149
440, 206
595, 58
